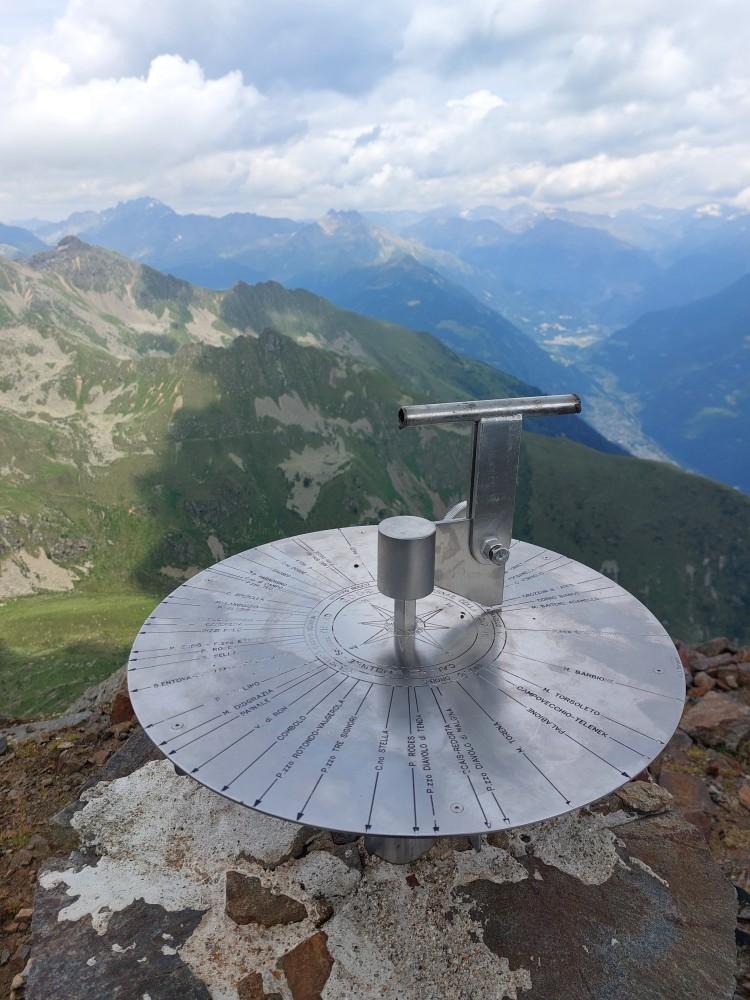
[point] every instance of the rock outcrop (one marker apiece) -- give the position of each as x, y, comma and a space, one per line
172, 891
176, 891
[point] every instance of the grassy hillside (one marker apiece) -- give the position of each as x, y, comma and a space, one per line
55, 645
679, 542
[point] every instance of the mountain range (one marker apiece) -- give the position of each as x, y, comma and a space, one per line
533, 293
149, 427
532, 266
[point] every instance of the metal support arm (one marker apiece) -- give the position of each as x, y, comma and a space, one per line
471, 552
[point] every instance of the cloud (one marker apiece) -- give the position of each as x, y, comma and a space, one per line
331, 46
170, 113
292, 109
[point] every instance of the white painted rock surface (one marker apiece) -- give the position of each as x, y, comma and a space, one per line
596, 904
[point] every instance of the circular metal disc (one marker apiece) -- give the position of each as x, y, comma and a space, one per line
275, 678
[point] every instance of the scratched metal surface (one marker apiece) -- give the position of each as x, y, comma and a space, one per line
274, 679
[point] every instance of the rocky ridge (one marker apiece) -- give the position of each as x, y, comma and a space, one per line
704, 772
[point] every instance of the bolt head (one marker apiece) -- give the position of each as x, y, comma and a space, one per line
499, 555
494, 551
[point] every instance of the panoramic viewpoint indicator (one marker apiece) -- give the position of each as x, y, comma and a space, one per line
411, 679
298, 698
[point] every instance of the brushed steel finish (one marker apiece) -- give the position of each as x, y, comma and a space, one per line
458, 571
477, 409
406, 557
492, 500
399, 850
276, 679
473, 565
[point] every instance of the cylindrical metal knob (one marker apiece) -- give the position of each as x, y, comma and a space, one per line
406, 558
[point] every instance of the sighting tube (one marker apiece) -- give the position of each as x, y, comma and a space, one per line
478, 409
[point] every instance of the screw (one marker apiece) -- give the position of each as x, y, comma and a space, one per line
456, 807
494, 551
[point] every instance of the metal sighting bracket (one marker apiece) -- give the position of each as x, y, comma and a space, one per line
471, 550
439, 735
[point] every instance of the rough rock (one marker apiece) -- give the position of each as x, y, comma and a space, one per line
307, 967
136, 955
691, 658
275, 841
251, 988
621, 938
101, 694
349, 854
703, 682
326, 875
691, 797
718, 720
456, 924
248, 901
714, 647
743, 794
719, 765
122, 709
26, 731
721, 662
644, 796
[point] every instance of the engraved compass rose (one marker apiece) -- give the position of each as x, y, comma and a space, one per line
411, 678
385, 629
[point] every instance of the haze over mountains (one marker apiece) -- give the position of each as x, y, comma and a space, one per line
689, 367
535, 295
149, 427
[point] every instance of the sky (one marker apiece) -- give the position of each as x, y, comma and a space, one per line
296, 107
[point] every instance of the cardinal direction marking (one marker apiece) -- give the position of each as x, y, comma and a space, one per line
203, 735
355, 553
363, 700
435, 826
434, 695
175, 716
626, 746
390, 705
502, 811
486, 821
595, 754
301, 813
548, 780
263, 795
244, 769
415, 828
192, 730
368, 824
644, 735
229, 746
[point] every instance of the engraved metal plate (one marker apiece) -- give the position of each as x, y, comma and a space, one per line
275, 678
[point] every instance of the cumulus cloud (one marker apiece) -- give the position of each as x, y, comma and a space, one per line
293, 108
171, 113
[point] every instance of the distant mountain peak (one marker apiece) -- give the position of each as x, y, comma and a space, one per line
96, 269
338, 223
145, 203
73, 242
68, 248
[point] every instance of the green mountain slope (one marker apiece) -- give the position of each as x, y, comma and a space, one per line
689, 369
126, 472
